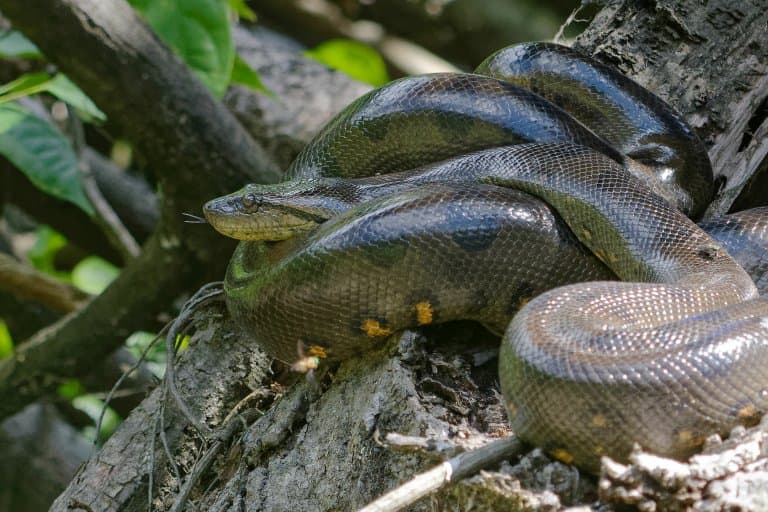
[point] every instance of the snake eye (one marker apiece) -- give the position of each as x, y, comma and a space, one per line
250, 200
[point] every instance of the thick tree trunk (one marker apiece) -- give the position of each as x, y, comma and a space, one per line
196, 148
322, 453
709, 60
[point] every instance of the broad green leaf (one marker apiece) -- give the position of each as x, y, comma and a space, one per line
199, 32
6, 343
244, 75
240, 8
355, 59
25, 85
64, 89
59, 86
42, 153
47, 244
14, 44
93, 274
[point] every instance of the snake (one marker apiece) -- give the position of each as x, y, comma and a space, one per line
517, 198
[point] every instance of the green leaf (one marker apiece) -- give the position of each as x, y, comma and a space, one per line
59, 86
93, 274
14, 44
92, 406
243, 74
6, 343
64, 89
25, 85
355, 59
240, 8
71, 388
42, 254
155, 358
198, 30
42, 153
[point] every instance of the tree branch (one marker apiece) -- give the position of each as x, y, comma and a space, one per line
192, 142
708, 60
26, 282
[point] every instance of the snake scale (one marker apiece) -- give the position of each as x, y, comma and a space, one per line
485, 197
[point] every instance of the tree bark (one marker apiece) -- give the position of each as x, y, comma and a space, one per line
196, 147
710, 61
40, 454
324, 453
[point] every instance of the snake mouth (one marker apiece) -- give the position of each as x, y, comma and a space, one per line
265, 215
274, 225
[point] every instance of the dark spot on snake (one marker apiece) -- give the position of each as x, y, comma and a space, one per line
519, 297
479, 302
385, 254
454, 129
253, 255
707, 252
375, 131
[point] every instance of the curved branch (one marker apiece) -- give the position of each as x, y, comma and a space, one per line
26, 282
81, 340
196, 147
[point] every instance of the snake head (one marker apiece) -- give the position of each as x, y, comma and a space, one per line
279, 211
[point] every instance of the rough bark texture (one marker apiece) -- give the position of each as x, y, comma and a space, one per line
322, 453
212, 380
709, 60
195, 146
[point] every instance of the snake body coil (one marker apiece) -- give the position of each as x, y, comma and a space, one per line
586, 369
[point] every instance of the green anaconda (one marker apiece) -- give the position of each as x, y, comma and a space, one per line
450, 230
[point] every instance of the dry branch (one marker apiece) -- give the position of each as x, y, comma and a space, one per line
27, 283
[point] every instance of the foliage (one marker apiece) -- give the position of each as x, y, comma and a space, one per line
359, 61
240, 8
59, 86
198, 30
93, 274
243, 74
42, 153
42, 254
139, 343
6, 343
14, 44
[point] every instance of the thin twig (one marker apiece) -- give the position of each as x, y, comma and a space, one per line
164, 441
570, 19
207, 293
108, 220
151, 476
142, 357
453, 470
